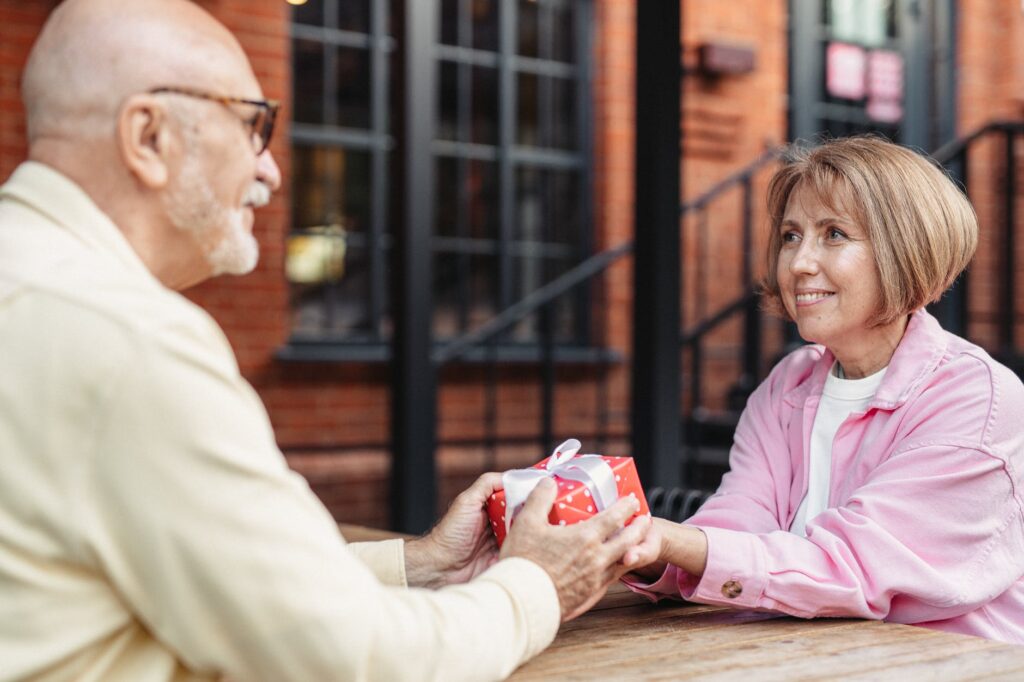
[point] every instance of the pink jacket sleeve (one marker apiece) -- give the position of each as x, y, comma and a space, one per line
753, 494
897, 544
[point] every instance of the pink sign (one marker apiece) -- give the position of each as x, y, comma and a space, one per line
885, 110
845, 69
885, 75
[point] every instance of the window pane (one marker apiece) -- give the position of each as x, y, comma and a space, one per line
564, 203
327, 261
330, 186
564, 31
483, 199
311, 13
481, 191
563, 103
527, 274
308, 81
529, 28
485, 105
483, 289
450, 22
527, 124
448, 115
529, 209
464, 292
447, 218
352, 87
547, 209
485, 25
337, 307
354, 15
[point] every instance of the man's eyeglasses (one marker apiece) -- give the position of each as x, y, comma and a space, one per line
261, 124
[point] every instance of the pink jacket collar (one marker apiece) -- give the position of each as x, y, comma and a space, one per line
922, 346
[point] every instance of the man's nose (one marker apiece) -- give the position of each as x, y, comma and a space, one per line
267, 171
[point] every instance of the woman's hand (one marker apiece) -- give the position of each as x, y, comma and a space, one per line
668, 543
644, 560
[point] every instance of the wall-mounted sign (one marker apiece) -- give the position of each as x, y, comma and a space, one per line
845, 70
885, 86
885, 75
885, 111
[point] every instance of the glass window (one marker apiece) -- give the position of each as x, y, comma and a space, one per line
510, 169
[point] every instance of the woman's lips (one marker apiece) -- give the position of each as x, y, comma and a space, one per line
812, 298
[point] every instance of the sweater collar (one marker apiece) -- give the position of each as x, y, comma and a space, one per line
56, 197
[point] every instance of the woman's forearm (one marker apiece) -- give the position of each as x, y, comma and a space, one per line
683, 546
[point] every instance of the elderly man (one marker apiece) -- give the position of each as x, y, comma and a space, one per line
149, 527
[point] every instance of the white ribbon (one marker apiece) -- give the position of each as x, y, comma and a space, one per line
590, 470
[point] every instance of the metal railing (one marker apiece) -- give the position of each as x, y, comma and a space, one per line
986, 164
745, 301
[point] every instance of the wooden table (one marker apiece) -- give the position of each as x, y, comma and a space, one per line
626, 637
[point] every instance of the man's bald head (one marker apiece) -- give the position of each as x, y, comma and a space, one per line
92, 54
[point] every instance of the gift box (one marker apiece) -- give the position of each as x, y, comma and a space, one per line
586, 485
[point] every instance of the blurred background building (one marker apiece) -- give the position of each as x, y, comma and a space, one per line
449, 158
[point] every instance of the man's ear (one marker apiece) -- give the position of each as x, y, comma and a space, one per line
145, 139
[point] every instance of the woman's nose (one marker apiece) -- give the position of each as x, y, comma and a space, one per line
806, 258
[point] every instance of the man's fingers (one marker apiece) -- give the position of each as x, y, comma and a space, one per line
630, 536
486, 485
538, 504
613, 518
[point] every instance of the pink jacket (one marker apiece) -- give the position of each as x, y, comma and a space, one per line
926, 523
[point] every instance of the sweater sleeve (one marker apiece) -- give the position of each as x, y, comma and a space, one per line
232, 563
385, 558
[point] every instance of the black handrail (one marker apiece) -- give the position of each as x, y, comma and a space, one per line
729, 181
954, 148
579, 274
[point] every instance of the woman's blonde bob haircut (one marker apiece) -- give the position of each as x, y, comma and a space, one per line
922, 229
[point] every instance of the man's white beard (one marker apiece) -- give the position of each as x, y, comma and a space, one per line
192, 207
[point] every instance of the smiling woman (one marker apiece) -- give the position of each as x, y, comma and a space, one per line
863, 232
874, 473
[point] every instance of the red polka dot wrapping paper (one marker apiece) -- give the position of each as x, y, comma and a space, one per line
574, 502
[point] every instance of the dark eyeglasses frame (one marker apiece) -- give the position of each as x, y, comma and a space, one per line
261, 125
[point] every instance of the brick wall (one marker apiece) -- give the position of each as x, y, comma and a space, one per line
19, 25
991, 86
728, 122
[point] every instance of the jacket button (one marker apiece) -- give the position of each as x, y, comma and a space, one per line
732, 589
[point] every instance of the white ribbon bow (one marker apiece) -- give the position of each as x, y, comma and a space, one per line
590, 470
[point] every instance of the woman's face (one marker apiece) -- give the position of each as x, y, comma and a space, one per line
829, 279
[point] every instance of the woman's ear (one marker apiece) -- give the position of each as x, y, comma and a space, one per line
144, 140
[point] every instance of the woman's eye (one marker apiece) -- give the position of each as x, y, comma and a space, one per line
835, 233
788, 237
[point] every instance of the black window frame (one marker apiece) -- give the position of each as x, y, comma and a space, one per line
508, 156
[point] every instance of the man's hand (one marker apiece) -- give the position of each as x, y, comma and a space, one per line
461, 545
583, 559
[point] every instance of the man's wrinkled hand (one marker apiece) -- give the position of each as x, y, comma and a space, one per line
461, 545
583, 559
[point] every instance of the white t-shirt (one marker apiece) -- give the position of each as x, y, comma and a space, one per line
841, 397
